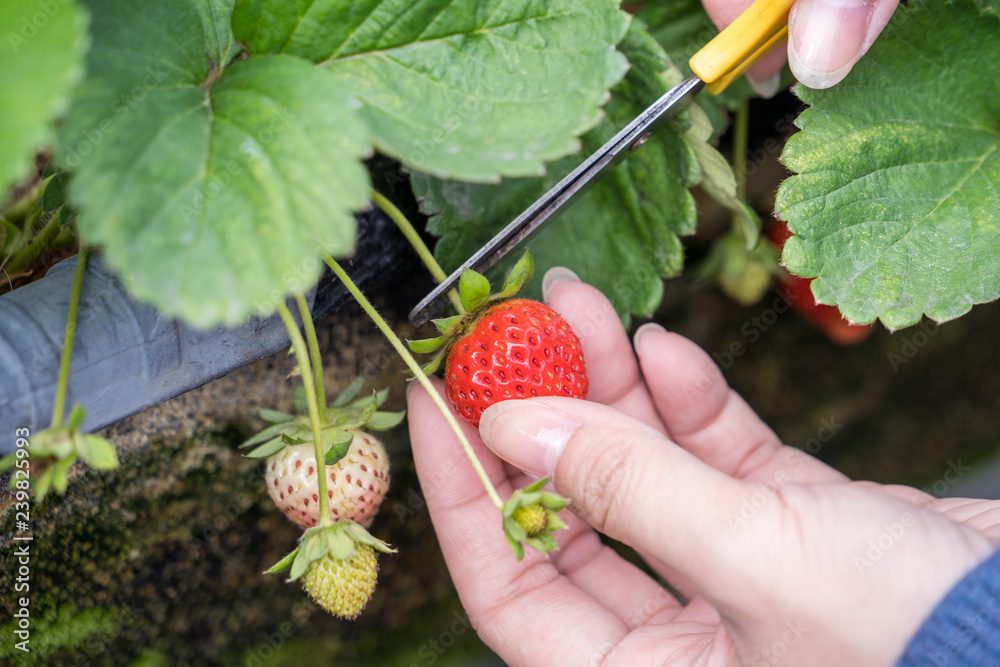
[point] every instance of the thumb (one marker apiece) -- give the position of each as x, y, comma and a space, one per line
827, 37
623, 477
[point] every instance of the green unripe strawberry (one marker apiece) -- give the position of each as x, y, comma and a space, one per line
532, 518
343, 586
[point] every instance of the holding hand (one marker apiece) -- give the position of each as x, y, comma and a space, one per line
665, 457
825, 39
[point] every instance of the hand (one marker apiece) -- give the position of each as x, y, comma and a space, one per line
826, 38
783, 560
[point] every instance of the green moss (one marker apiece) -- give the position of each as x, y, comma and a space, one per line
59, 630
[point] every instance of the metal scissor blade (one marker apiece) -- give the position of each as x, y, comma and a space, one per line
562, 193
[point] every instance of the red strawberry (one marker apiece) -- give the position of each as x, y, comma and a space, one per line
798, 292
516, 349
356, 485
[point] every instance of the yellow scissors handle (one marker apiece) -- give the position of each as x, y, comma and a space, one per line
723, 60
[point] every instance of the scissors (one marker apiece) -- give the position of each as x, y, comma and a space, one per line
720, 62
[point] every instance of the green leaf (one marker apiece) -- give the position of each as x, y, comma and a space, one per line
474, 289
43, 483
97, 452
622, 236
269, 448
211, 184
7, 462
41, 57
457, 88
896, 206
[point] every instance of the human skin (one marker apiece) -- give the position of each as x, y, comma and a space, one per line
664, 457
826, 39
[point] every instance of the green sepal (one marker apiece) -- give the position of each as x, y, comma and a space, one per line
44, 483
284, 563
60, 478
349, 393
337, 447
97, 452
339, 544
275, 416
293, 440
446, 325
7, 462
518, 276
515, 533
76, 418
370, 409
425, 345
269, 448
432, 366
337, 540
474, 289
380, 397
383, 421
267, 434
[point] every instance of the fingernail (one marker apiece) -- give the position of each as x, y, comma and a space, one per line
554, 276
826, 38
527, 434
643, 332
766, 88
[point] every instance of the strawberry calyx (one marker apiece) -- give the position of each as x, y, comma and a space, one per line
530, 516
338, 541
344, 415
55, 450
474, 293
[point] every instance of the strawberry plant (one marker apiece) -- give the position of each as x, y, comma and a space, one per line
215, 152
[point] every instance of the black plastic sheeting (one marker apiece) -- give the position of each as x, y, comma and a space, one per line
126, 356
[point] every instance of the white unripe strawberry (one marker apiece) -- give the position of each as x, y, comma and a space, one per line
356, 485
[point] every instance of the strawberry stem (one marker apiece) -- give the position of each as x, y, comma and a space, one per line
426, 256
419, 374
314, 355
302, 356
741, 130
59, 406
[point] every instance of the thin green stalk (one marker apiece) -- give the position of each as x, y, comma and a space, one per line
426, 256
314, 355
26, 255
418, 373
59, 407
740, 149
302, 356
